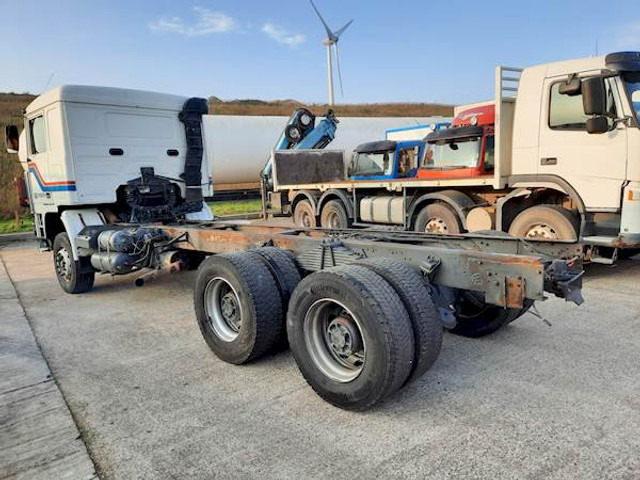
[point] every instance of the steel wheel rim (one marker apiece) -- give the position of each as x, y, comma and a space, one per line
223, 309
63, 264
436, 225
332, 220
304, 219
334, 340
542, 230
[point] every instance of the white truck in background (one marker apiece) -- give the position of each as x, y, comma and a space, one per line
560, 161
101, 147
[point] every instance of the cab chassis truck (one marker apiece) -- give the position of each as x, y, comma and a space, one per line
115, 181
566, 165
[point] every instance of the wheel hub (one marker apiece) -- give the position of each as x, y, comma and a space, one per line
63, 264
542, 230
229, 308
334, 340
332, 221
436, 225
223, 309
343, 337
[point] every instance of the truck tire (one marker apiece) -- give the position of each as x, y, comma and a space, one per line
284, 270
477, 319
71, 276
303, 215
351, 336
438, 218
545, 222
238, 307
334, 216
425, 321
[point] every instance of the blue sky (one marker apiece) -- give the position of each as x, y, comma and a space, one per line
407, 50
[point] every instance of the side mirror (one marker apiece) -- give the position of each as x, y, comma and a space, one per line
599, 124
12, 138
572, 87
593, 96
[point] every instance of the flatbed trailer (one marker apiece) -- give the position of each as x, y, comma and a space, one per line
363, 311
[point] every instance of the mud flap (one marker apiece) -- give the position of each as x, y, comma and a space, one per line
75, 221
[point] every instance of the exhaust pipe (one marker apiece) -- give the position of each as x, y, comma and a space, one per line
170, 262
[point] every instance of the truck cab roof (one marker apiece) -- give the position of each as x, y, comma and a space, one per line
378, 146
107, 96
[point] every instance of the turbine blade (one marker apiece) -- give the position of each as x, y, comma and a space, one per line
335, 47
340, 31
326, 27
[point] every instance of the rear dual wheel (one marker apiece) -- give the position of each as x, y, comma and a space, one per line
240, 301
358, 333
351, 336
361, 332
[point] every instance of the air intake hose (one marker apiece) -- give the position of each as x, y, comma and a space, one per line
191, 116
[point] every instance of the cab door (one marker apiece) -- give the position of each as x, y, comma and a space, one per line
593, 164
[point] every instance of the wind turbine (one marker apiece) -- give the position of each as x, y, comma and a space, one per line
332, 42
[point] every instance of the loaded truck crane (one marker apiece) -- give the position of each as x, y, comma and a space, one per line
555, 155
302, 133
116, 180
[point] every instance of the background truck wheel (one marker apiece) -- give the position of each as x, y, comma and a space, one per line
546, 222
68, 271
438, 218
476, 318
284, 270
351, 336
426, 323
238, 307
303, 215
334, 216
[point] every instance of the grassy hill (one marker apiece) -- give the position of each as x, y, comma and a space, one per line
12, 105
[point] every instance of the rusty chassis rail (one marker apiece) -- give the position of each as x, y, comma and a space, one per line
507, 270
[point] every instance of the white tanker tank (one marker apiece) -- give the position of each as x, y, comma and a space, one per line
238, 146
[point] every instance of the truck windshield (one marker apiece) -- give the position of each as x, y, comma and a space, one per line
373, 164
632, 81
461, 153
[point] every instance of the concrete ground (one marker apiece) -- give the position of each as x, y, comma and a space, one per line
152, 401
38, 436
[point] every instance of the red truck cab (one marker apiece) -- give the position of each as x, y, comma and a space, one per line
466, 149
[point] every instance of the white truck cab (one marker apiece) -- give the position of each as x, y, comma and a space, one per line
94, 152
576, 129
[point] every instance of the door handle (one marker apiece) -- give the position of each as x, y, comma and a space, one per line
548, 161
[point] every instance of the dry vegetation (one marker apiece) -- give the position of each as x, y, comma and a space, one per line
286, 107
12, 104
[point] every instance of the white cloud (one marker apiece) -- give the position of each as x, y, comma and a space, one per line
206, 22
282, 36
630, 35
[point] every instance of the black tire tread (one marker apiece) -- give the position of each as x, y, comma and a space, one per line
567, 214
82, 281
288, 279
425, 320
263, 292
340, 208
393, 319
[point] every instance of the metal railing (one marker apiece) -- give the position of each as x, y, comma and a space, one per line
508, 80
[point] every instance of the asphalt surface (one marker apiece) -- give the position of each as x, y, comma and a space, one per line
152, 401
